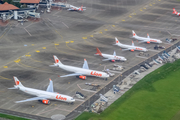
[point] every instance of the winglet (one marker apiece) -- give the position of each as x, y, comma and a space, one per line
114, 53
85, 65
50, 86
148, 35
132, 43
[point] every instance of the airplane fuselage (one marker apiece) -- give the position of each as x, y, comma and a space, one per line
147, 39
86, 72
114, 57
132, 47
47, 95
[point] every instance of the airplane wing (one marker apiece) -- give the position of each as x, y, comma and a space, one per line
74, 74
50, 86
31, 99
70, 9
125, 49
107, 59
143, 41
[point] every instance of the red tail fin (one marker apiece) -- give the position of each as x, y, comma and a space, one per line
98, 52
81, 8
174, 11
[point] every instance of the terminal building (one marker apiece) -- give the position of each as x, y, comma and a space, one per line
30, 3
8, 11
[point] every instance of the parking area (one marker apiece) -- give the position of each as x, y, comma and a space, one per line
27, 50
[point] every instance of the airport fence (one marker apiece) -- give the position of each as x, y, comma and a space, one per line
118, 79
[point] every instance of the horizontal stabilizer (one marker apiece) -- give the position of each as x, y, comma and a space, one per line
52, 65
13, 88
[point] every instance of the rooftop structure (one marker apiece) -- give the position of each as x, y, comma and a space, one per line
6, 6
30, 1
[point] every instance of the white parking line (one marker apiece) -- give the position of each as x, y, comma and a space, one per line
80, 100
142, 57
27, 32
88, 90
153, 50
65, 24
114, 71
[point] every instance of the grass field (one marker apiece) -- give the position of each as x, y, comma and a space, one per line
11, 117
155, 97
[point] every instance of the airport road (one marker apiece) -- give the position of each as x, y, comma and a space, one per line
27, 50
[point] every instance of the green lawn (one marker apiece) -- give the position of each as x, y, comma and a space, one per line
155, 97
11, 117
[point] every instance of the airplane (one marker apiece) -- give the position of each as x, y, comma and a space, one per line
79, 71
73, 8
112, 58
43, 96
129, 47
175, 12
143, 39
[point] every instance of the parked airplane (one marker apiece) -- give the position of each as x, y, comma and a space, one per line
129, 47
143, 39
74, 8
79, 71
112, 58
44, 96
175, 12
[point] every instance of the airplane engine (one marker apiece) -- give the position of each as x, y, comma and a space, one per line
148, 42
113, 60
47, 102
132, 50
82, 77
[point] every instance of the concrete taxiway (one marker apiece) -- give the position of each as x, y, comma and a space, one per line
27, 50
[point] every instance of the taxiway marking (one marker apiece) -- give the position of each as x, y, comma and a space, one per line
27, 32
65, 25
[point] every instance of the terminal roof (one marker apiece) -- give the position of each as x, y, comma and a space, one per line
7, 6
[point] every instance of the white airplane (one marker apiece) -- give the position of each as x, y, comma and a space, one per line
143, 39
74, 8
44, 96
79, 71
129, 47
175, 12
112, 58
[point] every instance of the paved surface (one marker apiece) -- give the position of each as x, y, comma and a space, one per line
26, 51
